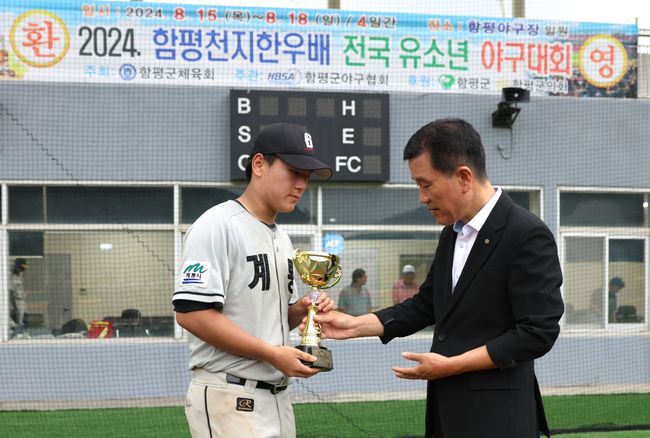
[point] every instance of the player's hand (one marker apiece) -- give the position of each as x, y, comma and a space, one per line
287, 359
325, 303
334, 325
431, 366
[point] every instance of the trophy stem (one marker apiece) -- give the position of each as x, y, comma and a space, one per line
314, 294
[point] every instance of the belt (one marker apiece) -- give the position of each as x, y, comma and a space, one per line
260, 384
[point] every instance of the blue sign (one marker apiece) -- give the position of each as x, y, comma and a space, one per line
333, 243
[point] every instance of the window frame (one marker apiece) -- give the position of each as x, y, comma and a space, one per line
608, 233
315, 231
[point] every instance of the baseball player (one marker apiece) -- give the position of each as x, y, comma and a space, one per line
235, 295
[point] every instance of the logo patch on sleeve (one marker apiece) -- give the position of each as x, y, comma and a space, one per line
195, 274
245, 404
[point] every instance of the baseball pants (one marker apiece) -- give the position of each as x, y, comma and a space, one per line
215, 408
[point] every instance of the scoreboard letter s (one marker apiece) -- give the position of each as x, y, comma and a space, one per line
244, 134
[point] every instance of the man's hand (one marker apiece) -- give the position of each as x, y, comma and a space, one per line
431, 366
333, 325
287, 359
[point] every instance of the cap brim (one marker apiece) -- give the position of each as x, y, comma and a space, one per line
305, 162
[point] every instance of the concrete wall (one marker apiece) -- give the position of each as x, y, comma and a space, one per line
122, 373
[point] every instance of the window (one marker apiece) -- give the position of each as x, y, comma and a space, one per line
382, 255
117, 205
604, 281
26, 205
601, 209
196, 200
528, 199
96, 275
393, 206
25, 243
626, 284
374, 206
584, 275
605, 264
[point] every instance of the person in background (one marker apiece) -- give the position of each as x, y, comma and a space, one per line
406, 286
616, 284
354, 299
18, 295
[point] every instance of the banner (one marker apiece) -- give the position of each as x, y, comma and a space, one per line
312, 49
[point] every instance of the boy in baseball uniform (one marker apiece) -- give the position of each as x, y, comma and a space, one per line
235, 295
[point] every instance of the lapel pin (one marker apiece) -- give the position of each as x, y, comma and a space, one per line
487, 241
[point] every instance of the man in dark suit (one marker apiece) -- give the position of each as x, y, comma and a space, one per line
493, 293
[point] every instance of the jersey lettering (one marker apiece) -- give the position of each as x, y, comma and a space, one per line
260, 271
290, 276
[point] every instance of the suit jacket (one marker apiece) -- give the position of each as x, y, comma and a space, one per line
508, 298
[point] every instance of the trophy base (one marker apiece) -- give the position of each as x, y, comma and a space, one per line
323, 355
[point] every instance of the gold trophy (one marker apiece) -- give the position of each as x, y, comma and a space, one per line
319, 270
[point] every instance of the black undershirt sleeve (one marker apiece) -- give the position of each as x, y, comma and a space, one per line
185, 306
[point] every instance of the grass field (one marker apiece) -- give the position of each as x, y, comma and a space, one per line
358, 419
625, 434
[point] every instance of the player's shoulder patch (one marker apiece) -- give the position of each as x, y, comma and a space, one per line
195, 273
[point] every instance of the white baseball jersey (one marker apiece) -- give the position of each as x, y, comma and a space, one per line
16, 286
231, 257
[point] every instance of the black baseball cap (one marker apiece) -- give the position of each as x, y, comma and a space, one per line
293, 145
21, 262
617, 281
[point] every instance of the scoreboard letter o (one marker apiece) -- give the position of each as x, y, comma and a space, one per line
240, 162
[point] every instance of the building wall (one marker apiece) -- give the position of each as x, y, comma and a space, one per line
73, 132
644, 73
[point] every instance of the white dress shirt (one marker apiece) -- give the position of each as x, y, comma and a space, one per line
467, 233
